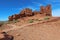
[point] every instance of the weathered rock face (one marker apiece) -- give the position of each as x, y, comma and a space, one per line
48, 10
5, 36
44, 11
16, 16
10, 18
26, 12
22, 13
35, 12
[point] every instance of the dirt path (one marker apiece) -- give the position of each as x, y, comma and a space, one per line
14, 27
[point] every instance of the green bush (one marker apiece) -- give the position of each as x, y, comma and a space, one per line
46, 18
31, 21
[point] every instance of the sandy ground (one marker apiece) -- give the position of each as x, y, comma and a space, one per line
44, 31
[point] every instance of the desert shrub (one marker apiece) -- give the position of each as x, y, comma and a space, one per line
14, 21
46, 18
30, 21
38, 20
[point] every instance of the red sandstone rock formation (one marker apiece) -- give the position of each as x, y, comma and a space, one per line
16, 16
22, 13
5, 36
10, 18
48, 10
44, 11
36, 12
26, 12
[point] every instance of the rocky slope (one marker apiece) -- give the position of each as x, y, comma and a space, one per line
46, 30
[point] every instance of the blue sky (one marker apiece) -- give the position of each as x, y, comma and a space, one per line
10, 7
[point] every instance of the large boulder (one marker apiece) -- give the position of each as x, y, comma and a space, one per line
36, 12
42, 9
22, 13
5, 36
16, 16
10, 18
26, 12
48, 10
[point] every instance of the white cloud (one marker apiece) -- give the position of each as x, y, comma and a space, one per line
37, 3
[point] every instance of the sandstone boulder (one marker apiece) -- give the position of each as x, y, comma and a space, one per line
36, 12
48, 10
42, 9
5, 36
16, 16
10, 18
26, 12
22, 13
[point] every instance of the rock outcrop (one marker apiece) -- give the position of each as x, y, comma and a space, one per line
16, 16
48, 10
10, 18
45, 11
42, 10
26, 12
5, 36
36, 12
